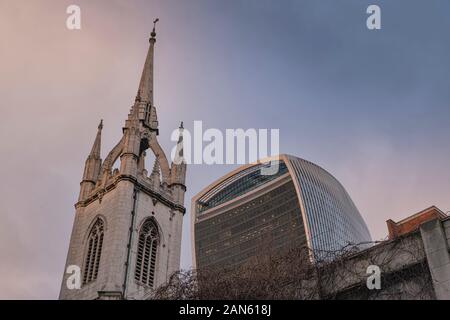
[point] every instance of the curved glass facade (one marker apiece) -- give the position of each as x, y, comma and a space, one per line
238, 184
332, 219
301, 203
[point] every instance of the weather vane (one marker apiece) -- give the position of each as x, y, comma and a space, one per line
154, 28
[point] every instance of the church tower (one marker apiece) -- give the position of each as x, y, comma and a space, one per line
126, 237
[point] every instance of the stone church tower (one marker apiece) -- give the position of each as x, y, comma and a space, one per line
126, 236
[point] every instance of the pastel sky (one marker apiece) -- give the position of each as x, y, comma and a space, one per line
371, 107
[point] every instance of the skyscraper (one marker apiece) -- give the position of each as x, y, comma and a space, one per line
247, 212
126, 236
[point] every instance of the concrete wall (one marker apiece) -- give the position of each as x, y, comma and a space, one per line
401, 261
435, 241
414, 266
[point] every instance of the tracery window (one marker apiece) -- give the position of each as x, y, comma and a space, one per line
147, 253
94, 252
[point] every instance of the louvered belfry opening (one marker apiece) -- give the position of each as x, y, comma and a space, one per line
94, 252
147, 253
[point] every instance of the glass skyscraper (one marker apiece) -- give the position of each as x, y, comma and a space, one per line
275, 204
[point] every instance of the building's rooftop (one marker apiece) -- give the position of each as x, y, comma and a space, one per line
413, 222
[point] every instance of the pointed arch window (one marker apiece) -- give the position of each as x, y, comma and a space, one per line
147, 253
94, 251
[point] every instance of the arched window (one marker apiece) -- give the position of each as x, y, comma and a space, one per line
94, 251
147, 253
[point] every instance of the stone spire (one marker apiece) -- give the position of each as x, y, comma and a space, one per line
155, 175
178, 169
92, 166
145, 91
95, 151
143, 109
179, 153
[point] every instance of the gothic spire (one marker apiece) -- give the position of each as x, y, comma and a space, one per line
179, 156
95, 152
92, 166
145, 91
178, 170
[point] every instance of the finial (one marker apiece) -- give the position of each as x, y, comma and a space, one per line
153, 34
100, 126
181, 125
